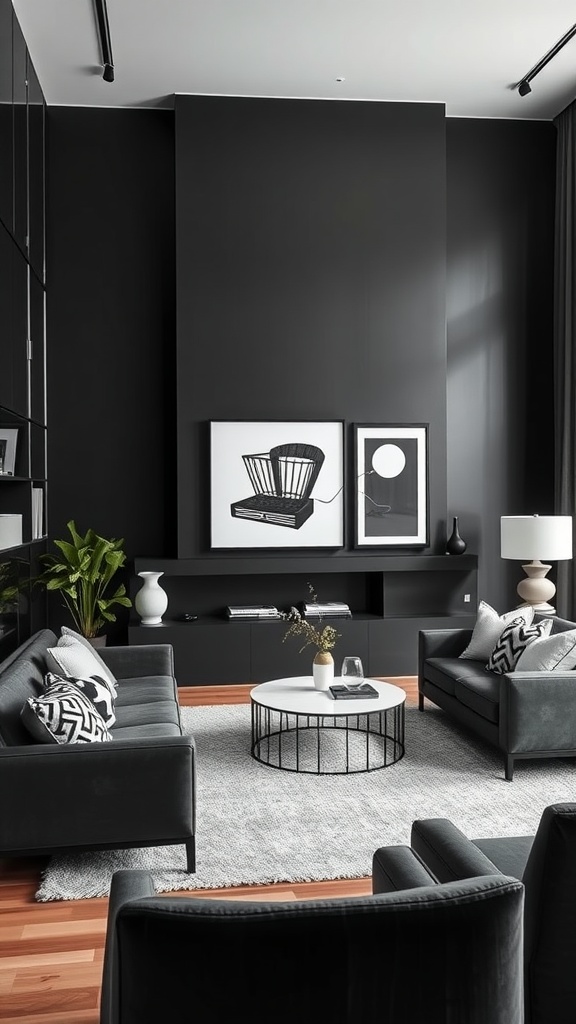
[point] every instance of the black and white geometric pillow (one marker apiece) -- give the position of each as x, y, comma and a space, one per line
513, 641
98, 690
64, 715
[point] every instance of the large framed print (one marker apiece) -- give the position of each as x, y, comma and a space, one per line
391, 485
276, 484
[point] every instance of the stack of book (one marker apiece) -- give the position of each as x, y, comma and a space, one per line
343, 692
328, 610
252, 611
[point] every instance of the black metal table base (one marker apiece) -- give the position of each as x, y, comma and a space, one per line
327, 744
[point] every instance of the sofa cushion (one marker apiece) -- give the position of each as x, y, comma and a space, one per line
489, 626
97, 689
75, 657
513, 641
480, 691
156, 713
445, 672
146, 690
550, 654
64, 715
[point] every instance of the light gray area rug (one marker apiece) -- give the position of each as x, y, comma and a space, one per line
257, 824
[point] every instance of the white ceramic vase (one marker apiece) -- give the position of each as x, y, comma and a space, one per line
151, 601
323, 670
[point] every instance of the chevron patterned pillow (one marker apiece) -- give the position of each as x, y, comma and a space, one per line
99, 691
64, 715
513, 641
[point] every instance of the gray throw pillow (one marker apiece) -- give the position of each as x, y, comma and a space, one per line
488, 628
550, 654
75, 658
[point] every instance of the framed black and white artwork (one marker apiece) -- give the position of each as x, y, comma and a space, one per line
8, 439
391, 480
276, 484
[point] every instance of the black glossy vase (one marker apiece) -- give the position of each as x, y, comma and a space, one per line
455, 545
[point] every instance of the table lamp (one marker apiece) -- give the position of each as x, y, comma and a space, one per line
535, 538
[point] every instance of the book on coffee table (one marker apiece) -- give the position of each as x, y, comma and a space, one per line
340, 691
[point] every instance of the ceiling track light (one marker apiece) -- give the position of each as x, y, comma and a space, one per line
105, 44
524, 83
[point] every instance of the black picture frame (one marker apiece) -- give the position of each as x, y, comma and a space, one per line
276, 484
8, 443
391, 484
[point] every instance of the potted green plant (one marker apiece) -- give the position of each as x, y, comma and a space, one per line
83, 572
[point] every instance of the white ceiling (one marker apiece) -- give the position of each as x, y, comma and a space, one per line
463, 53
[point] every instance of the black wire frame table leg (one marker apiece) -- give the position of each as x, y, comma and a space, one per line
383, 732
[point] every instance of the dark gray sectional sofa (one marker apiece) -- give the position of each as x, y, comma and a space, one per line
524, 714
137, 790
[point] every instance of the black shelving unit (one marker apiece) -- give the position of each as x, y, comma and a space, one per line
23, 302
391, 597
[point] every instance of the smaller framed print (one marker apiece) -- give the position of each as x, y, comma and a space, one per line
8, 439
391, 482
276, 484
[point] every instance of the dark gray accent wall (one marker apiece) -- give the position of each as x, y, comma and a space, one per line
500, 187
312, 285
110, 324
310, 276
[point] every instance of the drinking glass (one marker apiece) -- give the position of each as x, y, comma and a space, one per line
352, 672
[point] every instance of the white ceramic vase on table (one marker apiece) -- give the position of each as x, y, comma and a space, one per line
323, 670
151, 601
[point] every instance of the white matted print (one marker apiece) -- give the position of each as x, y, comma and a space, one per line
391, 485
276, 484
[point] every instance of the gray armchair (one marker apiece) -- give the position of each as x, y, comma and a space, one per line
436, 954
546, 864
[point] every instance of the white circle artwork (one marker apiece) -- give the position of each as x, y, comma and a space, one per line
388, 460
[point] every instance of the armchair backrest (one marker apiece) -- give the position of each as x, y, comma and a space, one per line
395, 958
550, 918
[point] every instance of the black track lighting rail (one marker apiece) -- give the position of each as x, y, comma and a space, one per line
524, 83
105, 44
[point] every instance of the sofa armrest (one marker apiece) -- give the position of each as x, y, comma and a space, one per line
126, 886
537, 711
397, 867
442, 643
135, 791
138, 661
447, 852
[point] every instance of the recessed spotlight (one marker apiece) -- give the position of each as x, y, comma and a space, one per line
341, 79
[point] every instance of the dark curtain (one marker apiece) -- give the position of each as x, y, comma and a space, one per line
565, 343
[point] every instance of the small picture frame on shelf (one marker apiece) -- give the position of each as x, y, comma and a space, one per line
391, 485
8, 441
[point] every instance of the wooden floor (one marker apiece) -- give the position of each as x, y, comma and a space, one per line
51, 953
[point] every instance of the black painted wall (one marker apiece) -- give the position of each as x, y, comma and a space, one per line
110, 229
310, 275
500, 186
317, 299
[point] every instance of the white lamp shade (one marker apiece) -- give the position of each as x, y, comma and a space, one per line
527, 538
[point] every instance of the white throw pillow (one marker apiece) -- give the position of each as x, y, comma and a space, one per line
77, 661
488, 628
551, 654
68, 636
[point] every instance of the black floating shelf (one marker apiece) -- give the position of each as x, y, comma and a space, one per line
255, 565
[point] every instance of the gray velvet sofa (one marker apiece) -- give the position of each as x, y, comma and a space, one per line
546, 865
525, 715
432, 954
136, 790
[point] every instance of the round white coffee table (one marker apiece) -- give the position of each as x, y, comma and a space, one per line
300, 729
